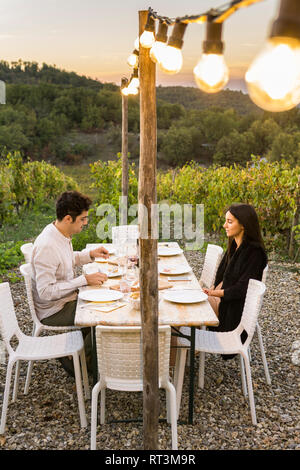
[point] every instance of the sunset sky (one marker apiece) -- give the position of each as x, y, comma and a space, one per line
95, 37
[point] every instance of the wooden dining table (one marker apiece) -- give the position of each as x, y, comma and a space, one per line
193, 315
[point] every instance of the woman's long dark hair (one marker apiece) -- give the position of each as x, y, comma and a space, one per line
247, 217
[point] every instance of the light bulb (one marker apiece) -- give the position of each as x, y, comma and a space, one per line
147, 39
137, 44
171, 61
133, 60
273, 79
157, 51
132, 90
124, 91
135, 82
211, 73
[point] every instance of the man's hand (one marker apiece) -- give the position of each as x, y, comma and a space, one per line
95, 279
100, 252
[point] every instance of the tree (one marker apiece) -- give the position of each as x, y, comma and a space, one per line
177, 145
234, 148
285, 146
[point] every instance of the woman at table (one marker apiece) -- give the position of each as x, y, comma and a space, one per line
244, 259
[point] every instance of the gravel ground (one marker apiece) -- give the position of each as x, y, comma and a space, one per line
47, 418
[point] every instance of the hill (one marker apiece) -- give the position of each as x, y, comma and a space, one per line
30, 73
193, 98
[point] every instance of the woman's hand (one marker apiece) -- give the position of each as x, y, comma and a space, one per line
214, 292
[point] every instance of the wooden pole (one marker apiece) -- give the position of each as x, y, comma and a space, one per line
148, 246
123, 212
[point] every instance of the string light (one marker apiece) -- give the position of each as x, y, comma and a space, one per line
147, 38
171, 60
211, 72
133, 59
273, 79
158, 49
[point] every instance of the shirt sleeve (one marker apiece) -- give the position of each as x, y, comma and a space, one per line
82, 257
45, 264
252, 269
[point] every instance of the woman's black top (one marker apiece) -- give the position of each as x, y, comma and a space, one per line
246, 262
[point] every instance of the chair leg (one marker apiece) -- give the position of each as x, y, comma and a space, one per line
244, 386
263, 355
16, 383
82, 415
36, 332
6, 396
28, 377
102, 406
94, 413
250, 388
180, 365
85, 375
201, 366
171, 394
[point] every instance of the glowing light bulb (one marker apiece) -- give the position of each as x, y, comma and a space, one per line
124, 91
157, 51
147, 39
132, 90
171, 61
273, 79
135, 82
137, 44
133, 60
211, 73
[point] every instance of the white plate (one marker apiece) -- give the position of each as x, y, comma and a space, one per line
117, 273
100, 295
188, 296
181, 269
166, 251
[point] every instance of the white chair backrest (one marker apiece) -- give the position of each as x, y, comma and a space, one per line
26, 272
213, 257
8, 322
265, 274
27, 251
120, 361
252, 306
125, 232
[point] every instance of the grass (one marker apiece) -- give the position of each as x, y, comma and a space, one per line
29, 224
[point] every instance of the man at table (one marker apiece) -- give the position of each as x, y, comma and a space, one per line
54, 285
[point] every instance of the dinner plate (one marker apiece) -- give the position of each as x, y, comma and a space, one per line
168, 251
100, 295
181, 269
188, 296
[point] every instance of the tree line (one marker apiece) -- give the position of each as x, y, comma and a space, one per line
45, 103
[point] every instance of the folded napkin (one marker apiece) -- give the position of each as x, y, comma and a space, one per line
105, 308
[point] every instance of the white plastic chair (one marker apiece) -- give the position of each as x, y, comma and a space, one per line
34, 349
228, 342
38, 327
27, 251
260, 340
213, 257
120, 368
